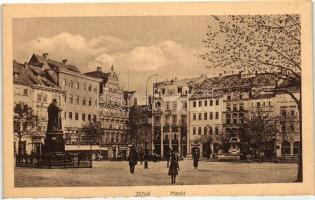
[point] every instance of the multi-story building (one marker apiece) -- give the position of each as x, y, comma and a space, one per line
113, 115
79, 102
205, 122
36, 88
170, 115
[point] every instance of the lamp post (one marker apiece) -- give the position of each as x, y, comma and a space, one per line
147, 116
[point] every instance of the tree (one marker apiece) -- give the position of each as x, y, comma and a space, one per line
24, 121
258, 43
260, 128
92, 133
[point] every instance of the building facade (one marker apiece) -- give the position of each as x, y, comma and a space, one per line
113, 115
171, 117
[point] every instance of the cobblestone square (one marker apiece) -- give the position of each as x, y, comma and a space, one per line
107, 173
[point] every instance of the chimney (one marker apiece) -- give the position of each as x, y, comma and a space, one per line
135, 103
65, 61
45, 55
99, 69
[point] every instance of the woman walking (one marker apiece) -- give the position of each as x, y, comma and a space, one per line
174, 167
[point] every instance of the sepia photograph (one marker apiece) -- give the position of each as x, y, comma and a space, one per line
158, 100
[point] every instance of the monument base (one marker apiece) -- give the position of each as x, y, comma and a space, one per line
54, 142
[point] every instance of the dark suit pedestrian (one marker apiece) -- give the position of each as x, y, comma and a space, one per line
196, 156
133, 158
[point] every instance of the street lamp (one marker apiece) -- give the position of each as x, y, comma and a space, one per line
146, 142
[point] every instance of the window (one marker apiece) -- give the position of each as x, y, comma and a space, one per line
167, 120
83, 101
228, 107
200, 103
77, 84
241, 96
292, 128
90, 101
71, 84
292, 113
65, 115
211, 115
296, 148
65, 97
185, 104
199, 130
283, 113
70, 98
269, 103
234, 107
174, 119
25, 92
90, 88
95, 102
228, 97
167, 105
205, 116
70, 115
264, 104
199, 116
89, 117
258, 104
205, 131
228, 120
77, 100
234, 121
44, 98
217, 102
95, 89
84, 86
194, 116
83, 117
194, 130
76, 116
94, 118
216, 115
216, 130
39, 97
194, 104
175, 105
206, 103
210, 130
211, 102
64, 82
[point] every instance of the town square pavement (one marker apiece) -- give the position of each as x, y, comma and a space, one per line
111, 173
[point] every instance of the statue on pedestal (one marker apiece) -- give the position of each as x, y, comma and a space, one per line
54, 117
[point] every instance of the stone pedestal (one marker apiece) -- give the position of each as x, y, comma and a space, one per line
54, 142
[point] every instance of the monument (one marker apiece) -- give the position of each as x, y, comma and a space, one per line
54, 141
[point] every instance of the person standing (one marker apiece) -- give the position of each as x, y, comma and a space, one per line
173, 167
132, 160
196, 156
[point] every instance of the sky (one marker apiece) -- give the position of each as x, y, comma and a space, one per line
138, 47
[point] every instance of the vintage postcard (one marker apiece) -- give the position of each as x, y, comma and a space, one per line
158, 99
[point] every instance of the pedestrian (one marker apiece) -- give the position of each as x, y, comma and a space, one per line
262, 155
174, 167
132, 160
196, 156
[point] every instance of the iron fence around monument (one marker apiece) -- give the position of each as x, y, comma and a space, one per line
55, 160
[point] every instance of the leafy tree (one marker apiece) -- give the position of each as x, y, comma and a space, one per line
260, 128
92, 133
262, 43
24, 122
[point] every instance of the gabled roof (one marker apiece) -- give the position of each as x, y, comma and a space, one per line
32, 76
40, 61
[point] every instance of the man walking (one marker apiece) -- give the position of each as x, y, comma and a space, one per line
132, 160
196, 156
